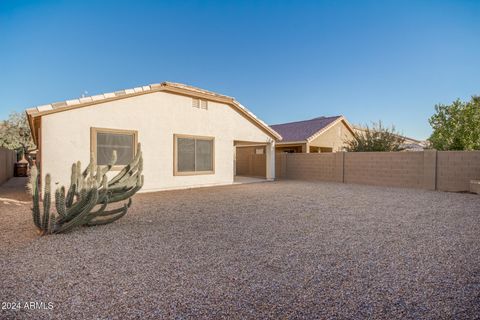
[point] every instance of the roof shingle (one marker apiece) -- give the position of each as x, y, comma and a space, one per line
302, 130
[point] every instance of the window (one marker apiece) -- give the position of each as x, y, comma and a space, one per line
105, 141
193, 155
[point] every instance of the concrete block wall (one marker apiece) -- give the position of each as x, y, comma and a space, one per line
7, 161
455, 169
396, 169
312, 166
429, 169
280, 165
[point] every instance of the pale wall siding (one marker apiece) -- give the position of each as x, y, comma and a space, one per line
335, 137
157, 117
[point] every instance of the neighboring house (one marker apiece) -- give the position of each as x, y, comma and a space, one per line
322, 134
409, 144
189, 136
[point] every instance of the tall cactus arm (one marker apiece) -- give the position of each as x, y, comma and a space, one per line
72, 190
46, 203
76, 208
78, 176
90, 169
35, 197
77, 221
99, 211
131, 174
109, 219
128, 167
60, 201
52, 223
128, 194
105, 213
126, 184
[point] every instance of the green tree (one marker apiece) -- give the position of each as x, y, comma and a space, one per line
456, 126
376, 138
15, 133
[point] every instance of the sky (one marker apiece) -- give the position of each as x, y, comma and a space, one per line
284, 60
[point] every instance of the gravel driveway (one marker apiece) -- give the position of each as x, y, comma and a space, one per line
285, 249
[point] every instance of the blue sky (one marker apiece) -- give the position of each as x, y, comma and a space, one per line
285, 60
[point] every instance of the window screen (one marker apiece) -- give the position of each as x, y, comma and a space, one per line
194, 155
123, 143
186, 154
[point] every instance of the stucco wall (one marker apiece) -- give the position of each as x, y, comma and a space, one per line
334, 137
156, 117
7, 161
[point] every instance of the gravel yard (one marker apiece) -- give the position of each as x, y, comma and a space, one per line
285, 249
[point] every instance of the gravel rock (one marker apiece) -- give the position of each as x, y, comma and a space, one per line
287, 249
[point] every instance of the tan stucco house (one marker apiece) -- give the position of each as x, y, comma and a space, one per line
321, 134
189, 136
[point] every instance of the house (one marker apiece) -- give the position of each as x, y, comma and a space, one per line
409, 144
322, 134
189, 136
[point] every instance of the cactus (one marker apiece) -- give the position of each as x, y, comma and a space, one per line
88, 190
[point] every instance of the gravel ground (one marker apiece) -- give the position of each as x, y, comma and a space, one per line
286, 249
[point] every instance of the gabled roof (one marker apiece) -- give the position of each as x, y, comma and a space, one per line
308, 129
176, 88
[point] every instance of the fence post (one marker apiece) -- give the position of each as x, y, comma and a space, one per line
430, 169
283, 167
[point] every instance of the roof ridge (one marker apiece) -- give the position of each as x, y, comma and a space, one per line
107, 95
317, 118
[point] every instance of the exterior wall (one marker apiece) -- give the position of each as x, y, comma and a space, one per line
7, 161
156, 117
456, 169
249, 163
334, 138
429, 169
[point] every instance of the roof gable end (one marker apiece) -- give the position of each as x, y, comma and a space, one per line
170, 87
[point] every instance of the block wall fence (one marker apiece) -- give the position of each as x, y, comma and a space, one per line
7, 161
430, 169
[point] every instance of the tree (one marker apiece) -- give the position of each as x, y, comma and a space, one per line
376, 138
456, 126
15, 133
